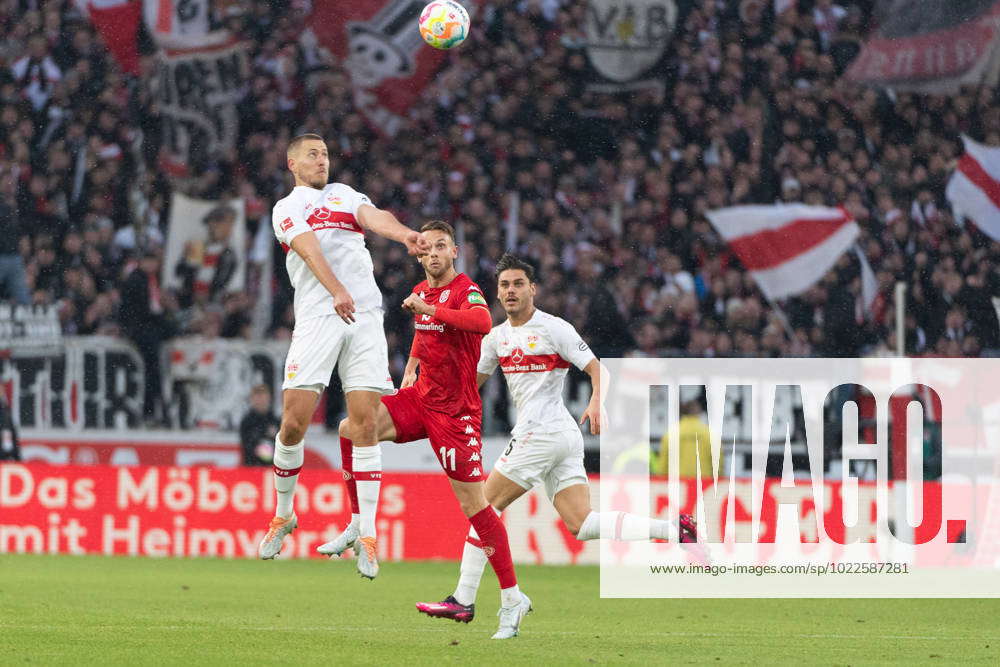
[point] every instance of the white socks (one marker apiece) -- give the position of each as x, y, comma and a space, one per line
622, 526
510, 596
287, 464
473, 563
368, 476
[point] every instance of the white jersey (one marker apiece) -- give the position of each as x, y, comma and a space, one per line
331, 213
535, 358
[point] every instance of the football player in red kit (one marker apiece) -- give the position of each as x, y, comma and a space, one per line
439, 400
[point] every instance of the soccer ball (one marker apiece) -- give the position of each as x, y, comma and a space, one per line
444, 24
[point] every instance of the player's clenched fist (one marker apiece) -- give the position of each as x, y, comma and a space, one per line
343, 304
417, 306
416, 244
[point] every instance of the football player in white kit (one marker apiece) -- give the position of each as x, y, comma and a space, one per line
534, 351
338, 323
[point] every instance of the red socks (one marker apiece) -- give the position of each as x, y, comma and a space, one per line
347, 458
493, 536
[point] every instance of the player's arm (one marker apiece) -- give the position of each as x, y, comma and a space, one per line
593, 411
573, 349
488, 360
473, 316
307, 246
410, 372
385, 224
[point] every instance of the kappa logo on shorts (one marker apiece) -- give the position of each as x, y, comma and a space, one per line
475, 457
475, 473
473, 443
444, 296
469, 429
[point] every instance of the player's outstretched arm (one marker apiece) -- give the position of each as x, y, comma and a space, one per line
307, 247
385, 224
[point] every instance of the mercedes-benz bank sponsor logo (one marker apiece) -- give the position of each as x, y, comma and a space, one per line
627, 37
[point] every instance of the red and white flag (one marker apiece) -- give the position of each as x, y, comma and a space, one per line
974, 188
786, 247
117, 22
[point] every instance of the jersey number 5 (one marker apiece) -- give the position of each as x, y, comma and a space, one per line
446, 454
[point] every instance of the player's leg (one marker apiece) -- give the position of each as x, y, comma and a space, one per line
567, 486
519, 468
461, 605
500, 492
311, 358
367, 472
493, 536
363, 366
385, 430
297, 409
573, 505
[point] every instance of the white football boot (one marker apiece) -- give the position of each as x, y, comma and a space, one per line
270, 546
510, 618
340, 543
367, 559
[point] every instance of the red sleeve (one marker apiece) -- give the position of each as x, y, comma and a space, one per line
477, 320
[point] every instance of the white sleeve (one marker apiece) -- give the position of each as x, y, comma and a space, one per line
287, 224
357, 199
488, 360
569, 345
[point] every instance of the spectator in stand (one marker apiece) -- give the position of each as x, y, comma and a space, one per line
258, 428
13, 285
146, 319
10, 446
612, 189
209, 264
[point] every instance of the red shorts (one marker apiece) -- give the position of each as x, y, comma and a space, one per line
454, 439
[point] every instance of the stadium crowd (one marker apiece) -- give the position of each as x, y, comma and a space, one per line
611, 189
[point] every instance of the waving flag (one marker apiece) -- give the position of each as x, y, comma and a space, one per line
974, 188
786, 247
117, 22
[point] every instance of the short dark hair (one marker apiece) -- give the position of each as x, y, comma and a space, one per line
439, 226
308, 136
511, 263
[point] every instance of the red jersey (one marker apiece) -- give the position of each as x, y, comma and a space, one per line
448, 356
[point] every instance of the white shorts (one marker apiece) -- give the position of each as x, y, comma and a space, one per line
358, 351
555, 459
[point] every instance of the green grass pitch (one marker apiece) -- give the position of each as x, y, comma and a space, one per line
89, 610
